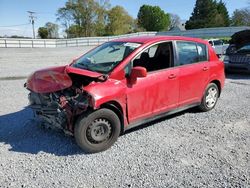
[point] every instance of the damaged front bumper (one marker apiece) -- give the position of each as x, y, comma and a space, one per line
59, 109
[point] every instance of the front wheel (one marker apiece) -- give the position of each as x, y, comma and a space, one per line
97, 131
210, 98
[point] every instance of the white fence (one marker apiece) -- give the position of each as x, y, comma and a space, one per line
53, 43
27, 43
93, 41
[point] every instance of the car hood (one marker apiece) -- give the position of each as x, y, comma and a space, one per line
240, 39
55, 78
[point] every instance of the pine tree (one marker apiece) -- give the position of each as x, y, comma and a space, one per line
208, 13
223, 12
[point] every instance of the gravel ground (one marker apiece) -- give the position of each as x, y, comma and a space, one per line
190, 149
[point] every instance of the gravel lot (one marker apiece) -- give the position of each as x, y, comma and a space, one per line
190, 149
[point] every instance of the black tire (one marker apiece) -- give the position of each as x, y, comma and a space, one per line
97, 130
205, 105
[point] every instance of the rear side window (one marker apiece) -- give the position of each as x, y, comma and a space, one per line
202, 51
190, 52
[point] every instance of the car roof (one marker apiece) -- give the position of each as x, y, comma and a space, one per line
158, 38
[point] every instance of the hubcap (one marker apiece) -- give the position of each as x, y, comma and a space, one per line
99, 131
211, 97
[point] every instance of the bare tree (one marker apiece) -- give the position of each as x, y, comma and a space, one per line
241, 17
175, 20
52, 30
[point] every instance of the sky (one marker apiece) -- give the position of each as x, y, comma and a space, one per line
14, 18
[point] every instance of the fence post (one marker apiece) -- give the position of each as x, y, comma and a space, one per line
44, 42
66, 43
19, 43
76, 42
32, 43
5, 43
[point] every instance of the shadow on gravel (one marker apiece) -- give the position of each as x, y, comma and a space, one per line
145, 125
22, 133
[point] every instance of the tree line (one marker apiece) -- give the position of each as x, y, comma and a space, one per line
85, 18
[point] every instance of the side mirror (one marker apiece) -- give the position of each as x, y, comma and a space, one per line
137, 72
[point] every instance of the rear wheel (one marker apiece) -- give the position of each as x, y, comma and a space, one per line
97, 131
210, 98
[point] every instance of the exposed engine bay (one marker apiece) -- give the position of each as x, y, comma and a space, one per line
60, 109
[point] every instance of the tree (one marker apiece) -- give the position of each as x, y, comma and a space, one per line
88, 16
52, 30
223, 13
102, 17
74, 31
43, 32
136, 28
65, 17
203, 14
119, 21
153, 18
241, 17
208, 13
175, 21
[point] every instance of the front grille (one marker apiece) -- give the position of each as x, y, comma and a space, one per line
239, 59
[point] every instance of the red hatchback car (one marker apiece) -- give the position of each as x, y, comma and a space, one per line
125, 83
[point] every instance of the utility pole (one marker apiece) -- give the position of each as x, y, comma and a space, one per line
32, 20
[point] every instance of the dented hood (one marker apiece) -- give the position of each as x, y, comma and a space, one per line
55, 78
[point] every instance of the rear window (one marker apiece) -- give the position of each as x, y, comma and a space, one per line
190, 52
218, 42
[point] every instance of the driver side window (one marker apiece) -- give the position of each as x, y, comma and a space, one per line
157, 57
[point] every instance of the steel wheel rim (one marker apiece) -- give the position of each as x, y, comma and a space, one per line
211, 97
99, 131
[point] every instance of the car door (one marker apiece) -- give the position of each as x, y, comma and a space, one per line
156, 93
194, 71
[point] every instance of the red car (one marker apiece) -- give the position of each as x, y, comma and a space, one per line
125, 83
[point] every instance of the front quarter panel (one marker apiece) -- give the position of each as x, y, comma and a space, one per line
110, 90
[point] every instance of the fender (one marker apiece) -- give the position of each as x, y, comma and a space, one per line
110, 90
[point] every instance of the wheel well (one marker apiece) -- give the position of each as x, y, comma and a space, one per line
115, 107
218, 85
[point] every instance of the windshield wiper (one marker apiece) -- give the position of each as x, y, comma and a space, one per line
81, 65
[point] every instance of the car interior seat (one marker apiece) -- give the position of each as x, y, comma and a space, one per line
143, 61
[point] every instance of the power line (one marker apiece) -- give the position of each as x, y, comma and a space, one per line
14, 25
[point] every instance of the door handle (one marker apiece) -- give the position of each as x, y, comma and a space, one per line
205, 68
172, 76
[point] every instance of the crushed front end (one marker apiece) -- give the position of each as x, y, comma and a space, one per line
57, 96
59, 109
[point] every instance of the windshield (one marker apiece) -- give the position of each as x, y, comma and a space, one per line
243, 49
105, 57
218, 42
